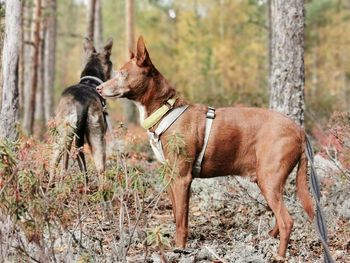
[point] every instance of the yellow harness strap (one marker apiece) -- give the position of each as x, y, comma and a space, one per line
156, 116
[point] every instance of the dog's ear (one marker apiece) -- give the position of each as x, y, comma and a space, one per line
107, 49
131, 53
142, 55
88, 46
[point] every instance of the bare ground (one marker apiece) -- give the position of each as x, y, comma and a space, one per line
229, 222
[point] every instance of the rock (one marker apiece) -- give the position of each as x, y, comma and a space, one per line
324, 167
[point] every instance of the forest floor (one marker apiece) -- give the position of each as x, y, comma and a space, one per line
131, 220
229, 222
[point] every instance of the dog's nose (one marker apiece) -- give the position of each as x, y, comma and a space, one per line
99, 88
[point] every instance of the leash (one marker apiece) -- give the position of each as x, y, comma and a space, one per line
320, 221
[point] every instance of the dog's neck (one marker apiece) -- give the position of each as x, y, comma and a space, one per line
95, 69
157, 91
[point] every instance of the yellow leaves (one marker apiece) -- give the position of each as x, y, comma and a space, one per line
327, 62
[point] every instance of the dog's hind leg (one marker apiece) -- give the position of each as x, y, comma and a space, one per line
61, 149
55, 160
97, 144
82, 162
79, 144
273, 193
65, 154
96, 138
274, 231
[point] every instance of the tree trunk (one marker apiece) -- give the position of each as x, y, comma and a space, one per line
98, 27
30, 109
128, 107
91, 19
40, 105
24, 23
287, 58
26, 64
10, 61
2, 34
50, 57
130, 28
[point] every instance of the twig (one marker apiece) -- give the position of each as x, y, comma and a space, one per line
162, 256
133, 230
21, 248
8, 181
247, 192
259, 225
215, 255
345, 172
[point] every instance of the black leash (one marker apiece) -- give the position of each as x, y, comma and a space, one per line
320, 221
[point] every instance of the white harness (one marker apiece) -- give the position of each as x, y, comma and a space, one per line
166, 122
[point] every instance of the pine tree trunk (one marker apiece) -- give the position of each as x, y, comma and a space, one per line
128, 107
24, 11
10, 61
2, 34
98, 34
50, 57
91, 19
28, 52
40, 105
287, 58
30, 109
130, 28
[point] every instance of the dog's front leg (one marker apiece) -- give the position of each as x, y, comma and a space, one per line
180, 197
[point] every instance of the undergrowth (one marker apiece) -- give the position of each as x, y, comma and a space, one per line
68, 220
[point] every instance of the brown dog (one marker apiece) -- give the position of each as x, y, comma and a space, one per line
259, 143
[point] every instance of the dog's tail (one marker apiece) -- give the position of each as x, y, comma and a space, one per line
302, 183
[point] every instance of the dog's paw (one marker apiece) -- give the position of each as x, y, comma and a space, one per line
279, 259
274, 232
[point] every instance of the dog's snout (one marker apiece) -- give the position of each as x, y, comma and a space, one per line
99, 88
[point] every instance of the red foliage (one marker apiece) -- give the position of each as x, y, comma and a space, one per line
336, 140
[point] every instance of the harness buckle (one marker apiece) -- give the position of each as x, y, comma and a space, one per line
153, 136
169, 105
211, 113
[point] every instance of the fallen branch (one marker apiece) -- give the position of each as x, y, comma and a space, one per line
215, 255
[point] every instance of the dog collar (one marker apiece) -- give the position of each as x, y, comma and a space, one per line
156, 116
95, 82
98, 80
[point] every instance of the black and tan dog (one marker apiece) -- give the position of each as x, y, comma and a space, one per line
80, 113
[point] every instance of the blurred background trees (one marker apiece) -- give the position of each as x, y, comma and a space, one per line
214, 52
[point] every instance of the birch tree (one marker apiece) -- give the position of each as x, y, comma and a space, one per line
10, 62
287, 74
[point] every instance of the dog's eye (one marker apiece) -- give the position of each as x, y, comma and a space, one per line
124, 74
